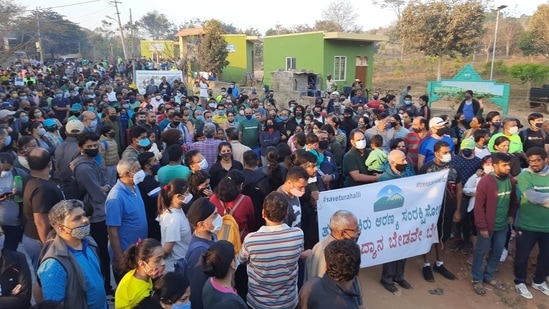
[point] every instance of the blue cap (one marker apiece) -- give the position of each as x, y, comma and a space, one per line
49, 123
76, 107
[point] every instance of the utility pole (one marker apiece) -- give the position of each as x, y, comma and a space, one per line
39, 45
131, 34
115, 2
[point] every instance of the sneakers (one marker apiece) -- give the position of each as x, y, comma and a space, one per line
542, 287
428, 274
444, 272
504, 255
523, 290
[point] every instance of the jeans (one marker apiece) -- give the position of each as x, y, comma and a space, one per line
497, 240
525, 241
32, 248
13, 234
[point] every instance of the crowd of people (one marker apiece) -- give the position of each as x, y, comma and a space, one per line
193, 197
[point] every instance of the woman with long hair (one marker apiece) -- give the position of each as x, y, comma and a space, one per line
199, 186
142, 262
220, 265
175, 231
223, 164
276, 172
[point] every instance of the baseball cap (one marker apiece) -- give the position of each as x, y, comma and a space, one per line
4, 113
74, 127
76, 107
467, 143
436, 122
335, 93
49, 123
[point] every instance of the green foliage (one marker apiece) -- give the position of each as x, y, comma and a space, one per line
156, 26
441, 27
539, 27
531, 73
212, 52
529, 46
500, 68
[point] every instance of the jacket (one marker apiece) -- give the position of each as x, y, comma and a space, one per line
75, 292
89, 179
110, 155
486, 200
15, 270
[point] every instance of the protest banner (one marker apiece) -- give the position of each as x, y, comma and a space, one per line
397, 218
143, 78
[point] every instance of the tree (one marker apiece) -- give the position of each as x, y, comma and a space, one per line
343, 14
157, 26
510, 29
396, 5
531, 73
278, 29
212, 52
539, 27
441, 28
327, 26
528, 45
10, 12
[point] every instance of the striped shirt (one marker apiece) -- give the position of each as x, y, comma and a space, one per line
413, 140
272, 254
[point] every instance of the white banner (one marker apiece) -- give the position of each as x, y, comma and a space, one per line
398, 218
143, 78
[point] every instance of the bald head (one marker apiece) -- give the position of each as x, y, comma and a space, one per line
396, 156
39, 159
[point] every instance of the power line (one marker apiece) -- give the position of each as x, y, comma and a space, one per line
67, 5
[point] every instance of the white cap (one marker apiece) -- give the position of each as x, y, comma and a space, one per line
436, 122
4, 113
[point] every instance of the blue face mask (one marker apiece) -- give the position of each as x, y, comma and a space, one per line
407, 102
283, 118
186, 305
144, 142
91, 109
7, 142
200, 118
59, 95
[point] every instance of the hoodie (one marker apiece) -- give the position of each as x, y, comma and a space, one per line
534, 203
89, 179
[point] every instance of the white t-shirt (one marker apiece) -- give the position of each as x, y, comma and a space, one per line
174, 227
203, 90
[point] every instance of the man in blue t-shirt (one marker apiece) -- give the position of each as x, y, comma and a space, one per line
426, 150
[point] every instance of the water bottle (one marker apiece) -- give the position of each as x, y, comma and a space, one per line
17, 187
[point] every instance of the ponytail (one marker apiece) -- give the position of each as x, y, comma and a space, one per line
169, 191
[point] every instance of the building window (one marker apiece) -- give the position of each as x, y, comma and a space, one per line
340, 68
290, 63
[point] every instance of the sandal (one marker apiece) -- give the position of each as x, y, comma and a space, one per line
496, 284
478, 287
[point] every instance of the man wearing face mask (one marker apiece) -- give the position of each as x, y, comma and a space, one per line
208, 148
510, 130
89, 119
327, 168
393, 272
150, 189
438, 133
292, 189
92, 191
535, 135
125, 211
140, 142
70, 269
353, 167
451, 207
469, 107
409, 105
384, 128
61, 106
343, 225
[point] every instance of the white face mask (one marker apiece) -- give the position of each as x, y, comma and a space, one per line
188, 198
513, 130
360, 144
203, 164
138, 177
446, 158
488, 169
217, 223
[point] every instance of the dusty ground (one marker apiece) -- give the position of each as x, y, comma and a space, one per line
457, 293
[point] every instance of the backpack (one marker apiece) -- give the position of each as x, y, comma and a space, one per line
229, 229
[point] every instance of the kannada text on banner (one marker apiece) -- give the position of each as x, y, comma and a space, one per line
397, 218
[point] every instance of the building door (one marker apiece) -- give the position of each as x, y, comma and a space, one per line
361, 68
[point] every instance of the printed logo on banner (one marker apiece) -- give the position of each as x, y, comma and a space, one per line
389, 197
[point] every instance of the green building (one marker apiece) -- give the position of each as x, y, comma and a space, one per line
345, 56
241, 57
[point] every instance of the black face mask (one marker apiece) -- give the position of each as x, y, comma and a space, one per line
401, 167
323, 145
176, 123
441, 131
91, 152
112, 134
51, 129
417, 130
113, 117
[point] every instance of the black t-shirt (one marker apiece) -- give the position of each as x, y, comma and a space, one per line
534, 139
39, 197
150, 188
454, 178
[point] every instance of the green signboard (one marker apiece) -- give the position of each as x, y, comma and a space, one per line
469, 79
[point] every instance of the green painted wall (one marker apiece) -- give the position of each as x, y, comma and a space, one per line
351, 49
238, 59
308, 50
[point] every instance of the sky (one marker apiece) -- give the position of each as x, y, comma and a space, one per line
239, 13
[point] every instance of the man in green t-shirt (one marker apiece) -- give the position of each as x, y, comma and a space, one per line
533, 222
496, 204
249, 131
